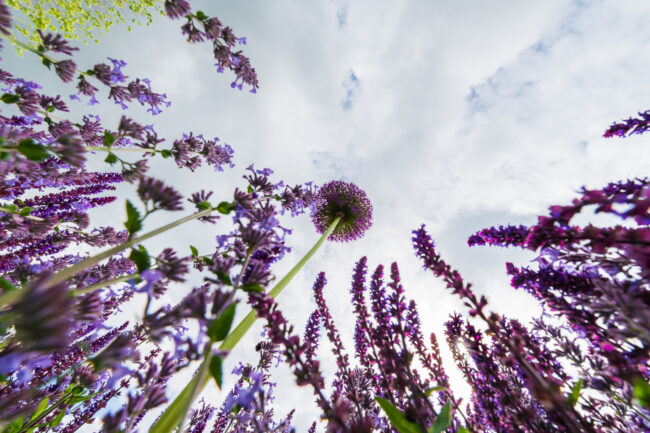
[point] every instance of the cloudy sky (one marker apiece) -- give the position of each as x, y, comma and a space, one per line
454, 113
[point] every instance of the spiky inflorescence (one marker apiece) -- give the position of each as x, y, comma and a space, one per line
346, 200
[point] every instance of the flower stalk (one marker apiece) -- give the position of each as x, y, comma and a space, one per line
175, 413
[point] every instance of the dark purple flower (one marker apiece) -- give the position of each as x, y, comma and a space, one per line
630, 126
56, 43
65, 69
177, 8
43, 316
347, 201
162, 196
5, 19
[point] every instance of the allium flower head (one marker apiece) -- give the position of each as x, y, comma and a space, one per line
346, 200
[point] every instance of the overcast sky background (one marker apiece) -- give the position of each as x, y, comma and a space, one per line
454, 113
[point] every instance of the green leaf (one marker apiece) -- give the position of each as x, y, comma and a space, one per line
12, 208
200, 15
224, 277
204, 205
32, 150
57, 419
207, 261
195, 252
463, 430
111, 158
216, 369
442, 421
39, 410
429, 391
397, 418
251, 287
225, 207
6, 285
15, 425
250, 189
25, 211
81, 398
50, 109
140, 257
166, 153
220, 327
572, 399
8, 98
133, 220
47, 62
109, 139
642, 392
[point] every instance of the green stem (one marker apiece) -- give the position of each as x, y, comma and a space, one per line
171, 417
231, 340
102, 284
119, 149
69, 272
65, 274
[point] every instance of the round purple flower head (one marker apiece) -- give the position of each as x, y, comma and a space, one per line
346, 200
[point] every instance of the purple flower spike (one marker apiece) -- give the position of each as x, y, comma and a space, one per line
346, 200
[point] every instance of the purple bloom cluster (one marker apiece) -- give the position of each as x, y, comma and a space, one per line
630, 126
344, 200
200, 27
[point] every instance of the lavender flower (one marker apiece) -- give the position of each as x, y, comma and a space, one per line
345, 200
161, 196
65, 69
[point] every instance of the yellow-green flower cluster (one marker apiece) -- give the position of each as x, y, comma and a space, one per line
83, 20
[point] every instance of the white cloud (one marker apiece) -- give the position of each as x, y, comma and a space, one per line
472, 114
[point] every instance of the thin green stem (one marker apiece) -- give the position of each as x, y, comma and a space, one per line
102, 284
231, 340
71, 271
178, 408
119, 149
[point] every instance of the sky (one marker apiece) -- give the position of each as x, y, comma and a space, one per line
457, 114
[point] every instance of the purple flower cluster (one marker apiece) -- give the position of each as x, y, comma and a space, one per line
200, 27
344, 200
630, 126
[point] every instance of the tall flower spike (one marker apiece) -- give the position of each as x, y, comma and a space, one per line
347, 201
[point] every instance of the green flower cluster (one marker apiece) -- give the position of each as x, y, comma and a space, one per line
82, 20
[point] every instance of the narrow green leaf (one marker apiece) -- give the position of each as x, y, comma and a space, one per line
111, 158
463, 430
12, 208
166, 153
216, 369
39, 410
195, 252
220, 327
251, 287
225, 207
572, 399
429, 391
642, 392
8, 98
442, 421
57, 419
32, 150
15, 425
224, 277
133, 220
397, 418
109, 139
140, 256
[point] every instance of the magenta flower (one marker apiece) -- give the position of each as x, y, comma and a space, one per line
347, 201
